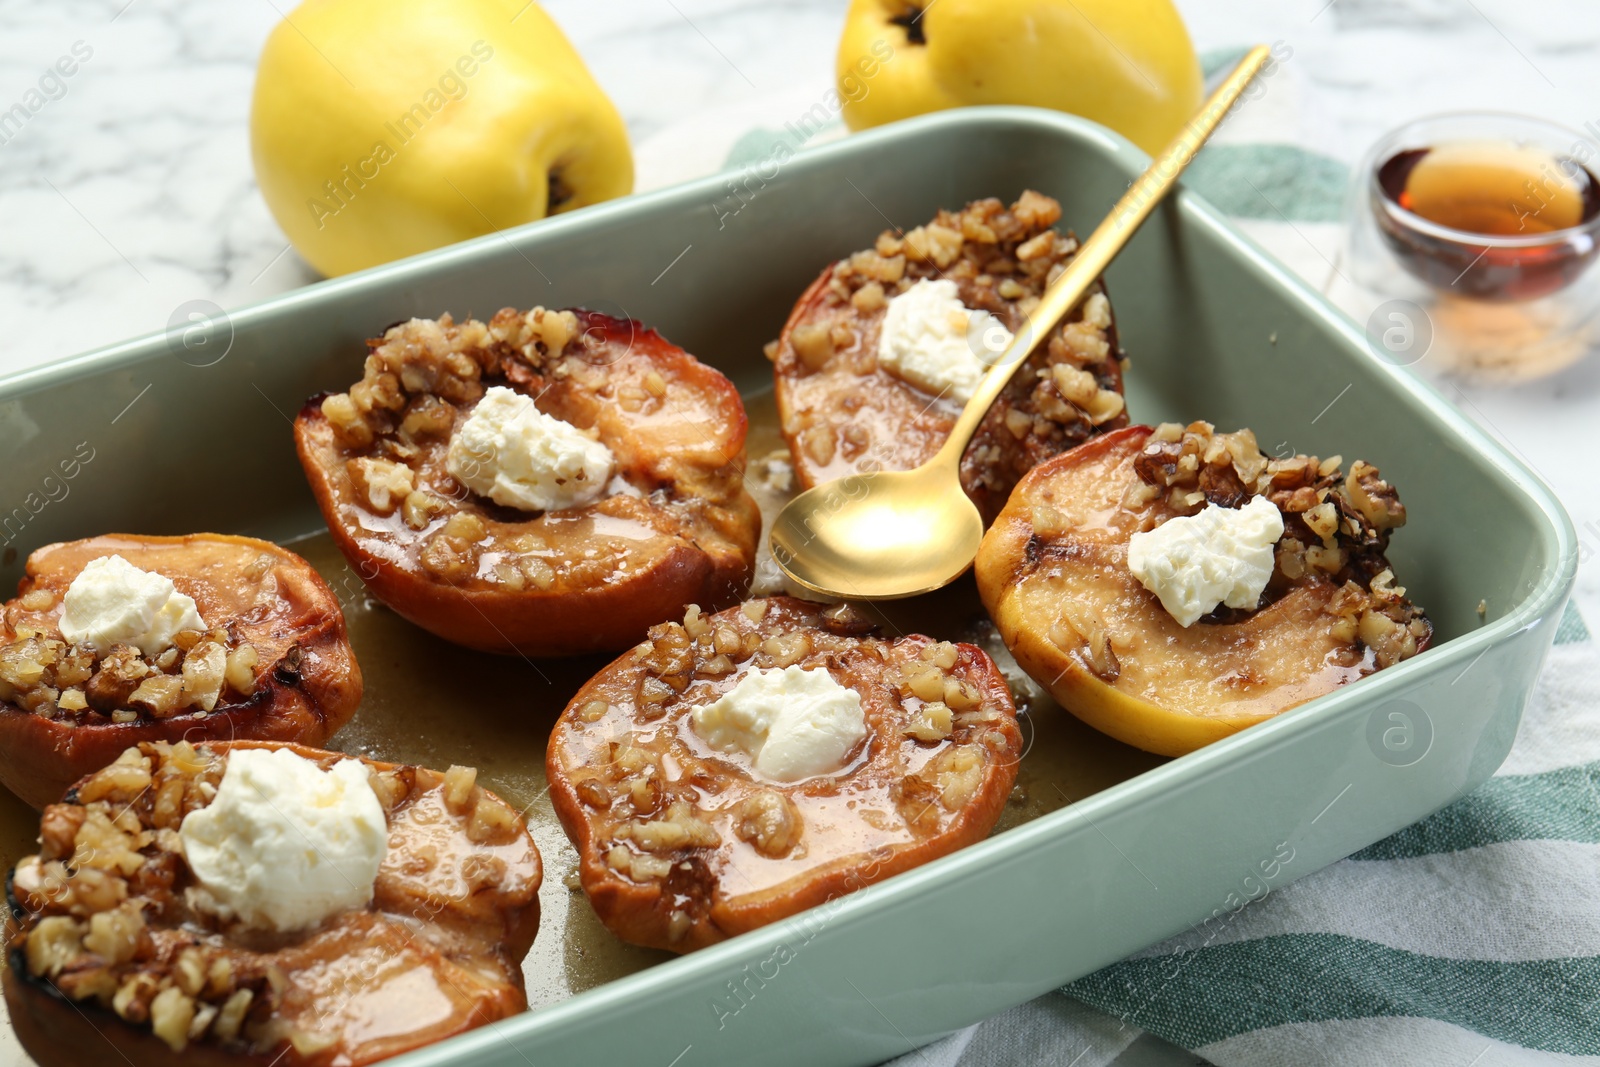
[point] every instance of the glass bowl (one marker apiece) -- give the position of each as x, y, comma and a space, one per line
1518, 303
1538, 260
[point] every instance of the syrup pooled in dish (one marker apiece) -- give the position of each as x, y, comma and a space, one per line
299, 908
119, 639
1078, 610
741, 767
544, 483
882, 351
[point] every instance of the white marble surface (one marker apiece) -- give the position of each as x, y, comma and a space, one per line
132, 192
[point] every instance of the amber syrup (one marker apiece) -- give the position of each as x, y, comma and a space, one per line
1497, 190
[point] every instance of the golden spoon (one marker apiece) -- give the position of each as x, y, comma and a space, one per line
892, 534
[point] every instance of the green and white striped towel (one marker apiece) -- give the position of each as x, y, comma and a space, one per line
1471, 939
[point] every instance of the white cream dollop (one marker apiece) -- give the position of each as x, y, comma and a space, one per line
516, 455
284, 844
113, 602
792, 723
935, 342
1219, 556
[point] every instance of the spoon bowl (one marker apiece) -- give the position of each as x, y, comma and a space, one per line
878, 536
892, 534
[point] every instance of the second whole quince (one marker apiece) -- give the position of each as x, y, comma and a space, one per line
1127, 64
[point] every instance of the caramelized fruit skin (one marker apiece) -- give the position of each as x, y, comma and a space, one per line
432, 957
294, 618
1165, 688
870, 419
900, 801
698, 544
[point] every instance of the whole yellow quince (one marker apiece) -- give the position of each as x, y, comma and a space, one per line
1127, 64
382, 128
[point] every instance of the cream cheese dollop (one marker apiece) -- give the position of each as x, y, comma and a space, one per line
934, 341
284, 844
791, 722
112, 602
518, 456
1221, 555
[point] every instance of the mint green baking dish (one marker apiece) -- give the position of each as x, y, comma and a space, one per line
1215, 330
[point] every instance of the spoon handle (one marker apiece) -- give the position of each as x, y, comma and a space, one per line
1102, 247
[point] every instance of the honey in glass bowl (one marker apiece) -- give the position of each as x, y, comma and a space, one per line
1501, 220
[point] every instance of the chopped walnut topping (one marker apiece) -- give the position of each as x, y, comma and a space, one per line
813, 344
770, 822
933, 722
458, 787
957, 773
678, 828
45, 675
1335, 526
640, 868
936, 243
204, 670
384, 483
491, 824
787, 649
240, 670
420, 371
55, 942
1375, 498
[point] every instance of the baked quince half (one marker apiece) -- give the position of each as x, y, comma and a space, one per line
881, 353
545, 483
117, 640
738, 768
1054, 572
141, 921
